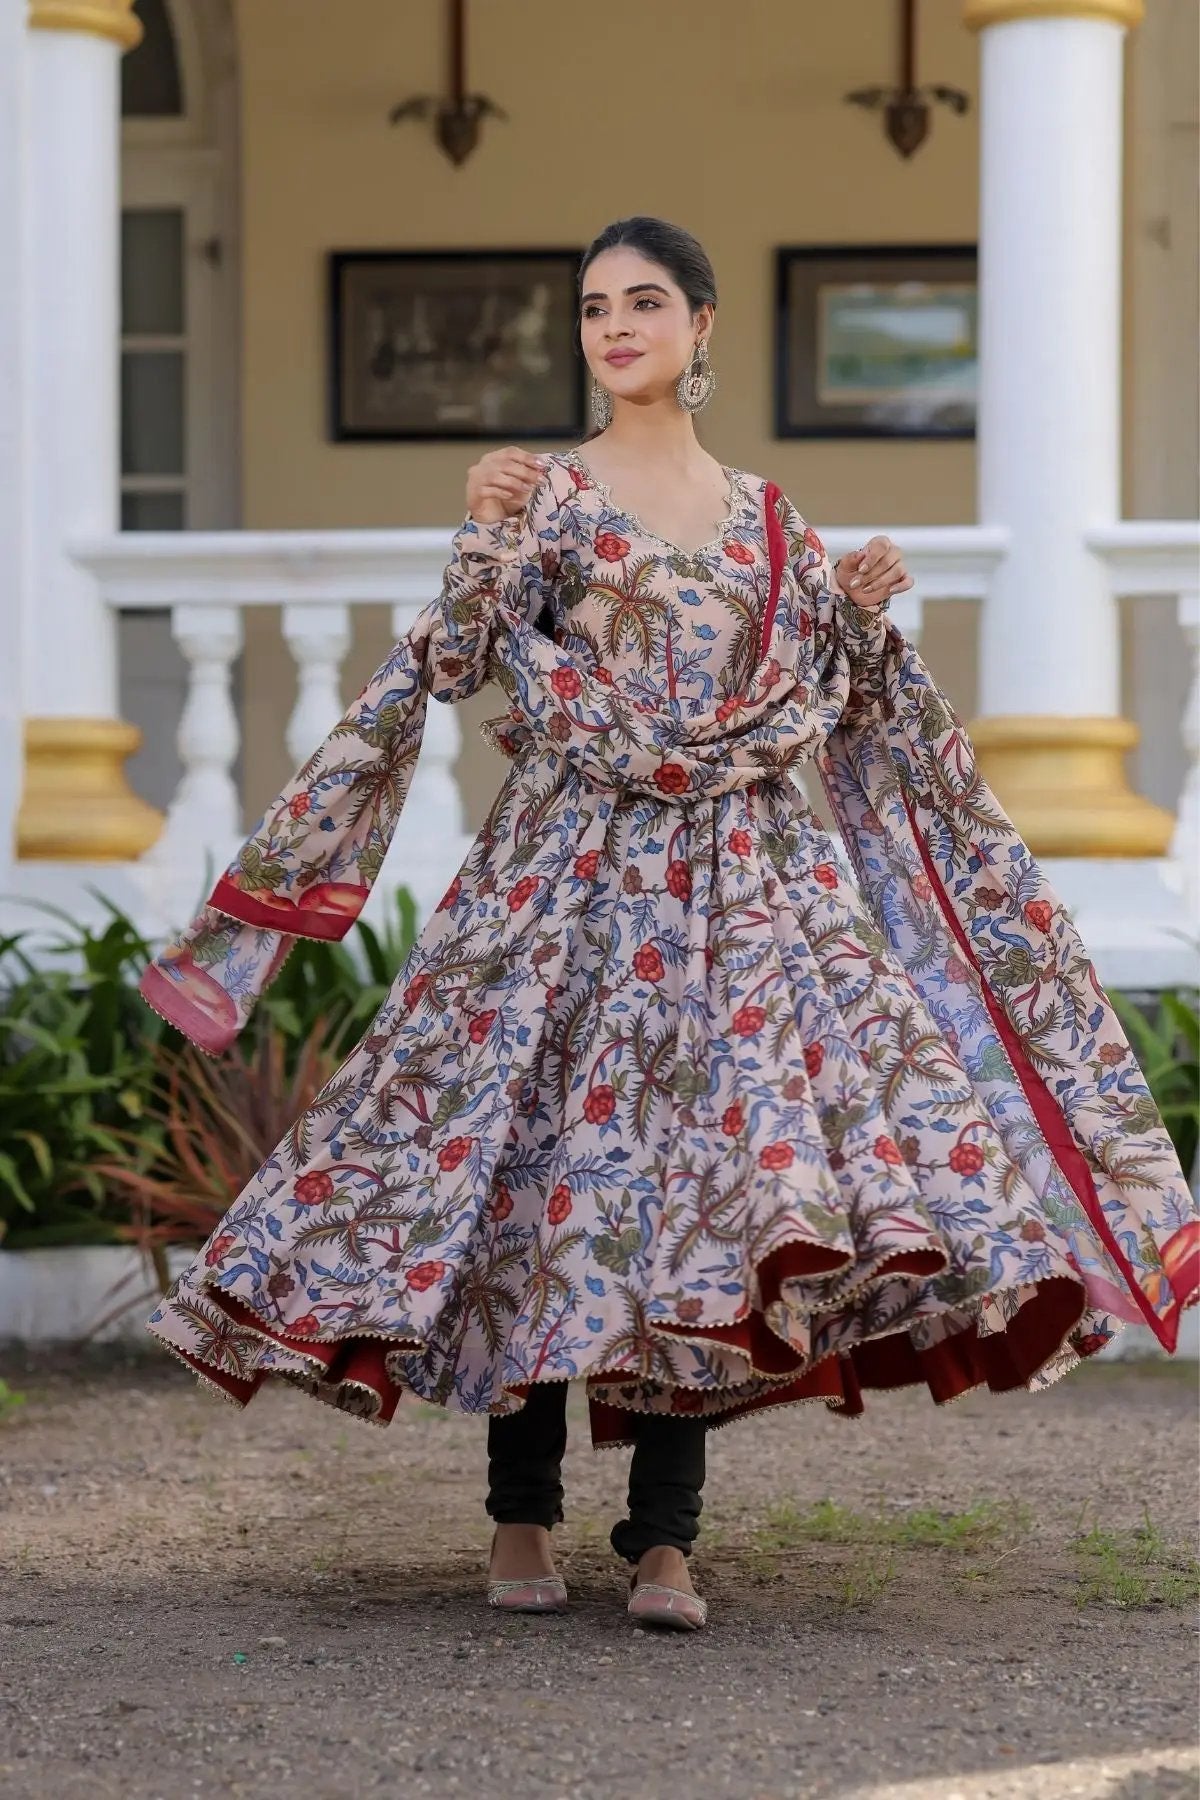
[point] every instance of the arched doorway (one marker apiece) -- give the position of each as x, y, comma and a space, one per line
179, 328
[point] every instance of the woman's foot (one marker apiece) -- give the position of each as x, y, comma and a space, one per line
662, 1592
521, 1576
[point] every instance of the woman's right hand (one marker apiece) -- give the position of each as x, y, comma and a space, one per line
500, 484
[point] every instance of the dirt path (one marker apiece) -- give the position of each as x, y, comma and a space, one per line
285, 1604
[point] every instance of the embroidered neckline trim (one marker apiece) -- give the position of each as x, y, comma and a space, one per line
734, 494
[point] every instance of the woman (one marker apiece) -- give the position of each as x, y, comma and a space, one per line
662, 1100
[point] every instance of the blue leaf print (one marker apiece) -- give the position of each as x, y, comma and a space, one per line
704, 631
594, 1284
594, 1323
690, 597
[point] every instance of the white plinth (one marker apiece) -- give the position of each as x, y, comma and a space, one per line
1133, 918
102, 1293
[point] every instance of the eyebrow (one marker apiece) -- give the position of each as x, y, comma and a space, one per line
643, 287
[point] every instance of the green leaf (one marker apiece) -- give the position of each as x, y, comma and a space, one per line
10, 1175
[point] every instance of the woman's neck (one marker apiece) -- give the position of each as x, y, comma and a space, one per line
662, 433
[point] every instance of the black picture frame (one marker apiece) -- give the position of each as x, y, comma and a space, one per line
836, 373
490, 338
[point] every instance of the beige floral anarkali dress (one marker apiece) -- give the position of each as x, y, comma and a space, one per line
665, 1099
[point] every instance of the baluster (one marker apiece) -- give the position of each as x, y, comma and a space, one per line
318, 638
433, 816
203, 827
1185, 845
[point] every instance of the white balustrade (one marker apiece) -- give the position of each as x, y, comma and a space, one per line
1161, 558
318, 638
316, 578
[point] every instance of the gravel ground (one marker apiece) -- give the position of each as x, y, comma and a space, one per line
287, 1604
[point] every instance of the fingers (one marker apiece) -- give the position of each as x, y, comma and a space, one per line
877, 572
505, 477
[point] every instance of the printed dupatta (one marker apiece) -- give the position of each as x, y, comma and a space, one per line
948, 880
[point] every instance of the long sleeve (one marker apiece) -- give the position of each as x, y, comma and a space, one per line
516, 560
862, 632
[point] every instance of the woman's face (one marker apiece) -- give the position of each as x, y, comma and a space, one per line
636, 328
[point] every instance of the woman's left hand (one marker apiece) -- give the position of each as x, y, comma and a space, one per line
872, 575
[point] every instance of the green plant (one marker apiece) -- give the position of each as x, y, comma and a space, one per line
91, 1080
1166, 1043
1134, 1568
217, 1123
332, 983
11, 1400
76, 1067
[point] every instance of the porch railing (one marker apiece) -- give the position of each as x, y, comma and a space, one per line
208, 580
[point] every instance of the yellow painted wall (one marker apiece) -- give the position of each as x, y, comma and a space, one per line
726, 118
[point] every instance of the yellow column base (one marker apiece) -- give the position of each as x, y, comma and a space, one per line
77, 805
1062, 782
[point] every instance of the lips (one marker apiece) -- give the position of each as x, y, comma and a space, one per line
619, 358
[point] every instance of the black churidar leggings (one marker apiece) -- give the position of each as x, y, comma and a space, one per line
525, 1453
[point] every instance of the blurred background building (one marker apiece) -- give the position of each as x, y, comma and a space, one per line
191, 553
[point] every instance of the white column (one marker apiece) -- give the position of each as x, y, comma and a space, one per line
72, 55
1049, 380
1051, 738
13, 458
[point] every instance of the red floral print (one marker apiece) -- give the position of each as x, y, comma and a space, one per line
741, 843
559, 1206
739, 553
426, 1275
306, 1326
690, 1309
671, 778
609, 547
217, 1249
599, 1104
587, 865
957, 970
814, 1057
603, 674
888, 1151
1039, 913
1111, 1055
826, 874
315, 1188
567, 684
450, 898
299, 805
967, 1159
521, 891
480, 1025
732, 1119
648, 963
455, 1152
501, 1202
679, 880
415, 989
748, 1021
776, 1157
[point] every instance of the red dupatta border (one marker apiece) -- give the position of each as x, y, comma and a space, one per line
1048, 1116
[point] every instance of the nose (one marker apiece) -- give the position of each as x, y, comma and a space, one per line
616, 329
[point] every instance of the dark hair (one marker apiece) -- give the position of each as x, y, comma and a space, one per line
682, 256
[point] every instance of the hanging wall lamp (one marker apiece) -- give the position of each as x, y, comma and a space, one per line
906, 107
456, 115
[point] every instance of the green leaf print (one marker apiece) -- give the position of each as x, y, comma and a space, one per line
617, 1252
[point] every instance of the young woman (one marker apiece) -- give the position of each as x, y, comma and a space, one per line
663, 1100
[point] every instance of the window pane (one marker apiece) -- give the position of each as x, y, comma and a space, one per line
150, 86
152, 512
152, 412
152, 272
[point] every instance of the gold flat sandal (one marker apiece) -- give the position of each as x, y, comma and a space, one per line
528, 1593
652, 1604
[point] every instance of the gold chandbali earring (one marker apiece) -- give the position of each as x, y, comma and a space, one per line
602, 406
696, 385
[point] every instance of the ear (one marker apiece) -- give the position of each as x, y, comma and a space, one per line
703, 321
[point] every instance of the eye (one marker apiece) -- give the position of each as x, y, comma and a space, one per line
592, 310
646, 300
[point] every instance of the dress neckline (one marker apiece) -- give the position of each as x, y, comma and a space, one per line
732, 497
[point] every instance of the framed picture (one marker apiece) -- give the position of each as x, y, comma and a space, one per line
876, 342
447, 344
